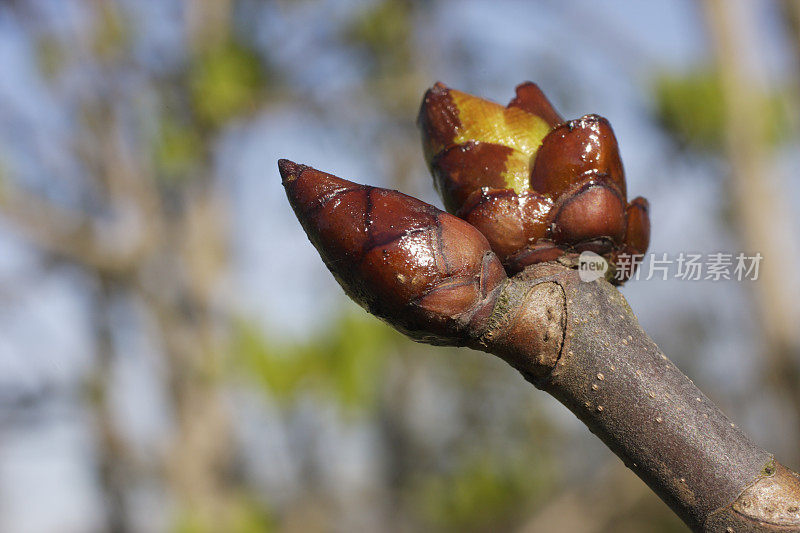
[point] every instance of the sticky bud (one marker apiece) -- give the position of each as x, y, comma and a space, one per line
429, 274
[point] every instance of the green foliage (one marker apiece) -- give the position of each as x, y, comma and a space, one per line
691, 108
178, 148
383, 30
484, 493
222, 82
110, 37
111, 32
225, 80
50, 56
244, 515
345, 360
249, 516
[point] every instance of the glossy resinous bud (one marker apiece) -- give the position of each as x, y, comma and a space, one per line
536, 186
429, 274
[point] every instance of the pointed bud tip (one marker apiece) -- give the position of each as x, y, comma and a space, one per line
438, 90
524, 85
641, 203
289, 170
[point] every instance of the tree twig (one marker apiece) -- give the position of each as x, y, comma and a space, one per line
618, 382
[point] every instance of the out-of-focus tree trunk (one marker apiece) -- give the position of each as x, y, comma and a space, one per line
763, 218
198, 462
161, 245
113, 460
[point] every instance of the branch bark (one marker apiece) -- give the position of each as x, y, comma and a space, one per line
607, 371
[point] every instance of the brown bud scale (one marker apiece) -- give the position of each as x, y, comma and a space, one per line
424, 271
537, 187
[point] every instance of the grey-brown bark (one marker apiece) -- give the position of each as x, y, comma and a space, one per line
581, 343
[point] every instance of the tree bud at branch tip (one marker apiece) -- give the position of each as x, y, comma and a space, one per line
536, 186
429, 274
